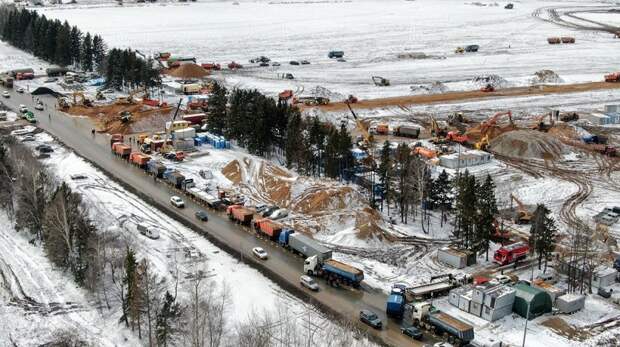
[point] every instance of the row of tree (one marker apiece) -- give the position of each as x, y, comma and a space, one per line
51, 40
264, 126
122, 68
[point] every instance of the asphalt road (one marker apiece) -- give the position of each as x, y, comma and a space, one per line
282, 266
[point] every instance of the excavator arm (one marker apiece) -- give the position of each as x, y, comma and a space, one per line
360, 126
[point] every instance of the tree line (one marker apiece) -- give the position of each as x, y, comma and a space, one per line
262, 126
67, 46
50, 39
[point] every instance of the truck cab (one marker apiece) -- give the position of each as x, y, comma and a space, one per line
311, 265
419, 311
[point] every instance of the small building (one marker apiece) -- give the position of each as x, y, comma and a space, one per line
493, 314
456, 258
604, 277
499, 297
465, 159
476, 308
553, 291
481, 290
536, 299
595, 118
465, 300
570, 303
455, 294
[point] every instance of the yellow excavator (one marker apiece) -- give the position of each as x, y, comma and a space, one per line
523, 216
79, 96
483, 143
367, 137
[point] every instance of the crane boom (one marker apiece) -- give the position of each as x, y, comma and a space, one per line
360, 126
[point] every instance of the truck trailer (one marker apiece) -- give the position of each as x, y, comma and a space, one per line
268, 228
239, 214
335, 273
308, 247
439, 323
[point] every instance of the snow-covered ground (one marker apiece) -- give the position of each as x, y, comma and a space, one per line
513, 43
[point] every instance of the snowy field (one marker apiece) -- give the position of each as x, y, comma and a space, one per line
513, 43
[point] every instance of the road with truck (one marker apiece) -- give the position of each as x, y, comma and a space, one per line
283, 266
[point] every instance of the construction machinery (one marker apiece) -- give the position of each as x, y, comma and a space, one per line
436, 130
455, 136
125, 116
569, 117
380, 81
82, 99
613, 77
488, 88
483, 143
492, 121
523, 216
63, 104
459, 50
367, 137
540, 125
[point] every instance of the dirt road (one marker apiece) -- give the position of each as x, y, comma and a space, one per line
470, 95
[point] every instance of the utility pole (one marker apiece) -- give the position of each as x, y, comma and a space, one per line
527, 315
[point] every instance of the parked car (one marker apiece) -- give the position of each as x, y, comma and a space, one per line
177, 202
148, 231
23, 108
412, 332
275, 63
27, 138
269, 211
20, 90
44, 148
39, 106
263, 64
6, 94
605, 293
50, 80
304, 62
370, 318
261, 207
279, 214
294, 62
260, 253
309, 282
202, 215
503, 279
547, 277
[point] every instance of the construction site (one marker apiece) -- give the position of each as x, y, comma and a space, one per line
534, 106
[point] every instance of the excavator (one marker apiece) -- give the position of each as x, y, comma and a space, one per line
168, 150
492, 121
523, 216
540, 125
82, 98
380, 81
436, 130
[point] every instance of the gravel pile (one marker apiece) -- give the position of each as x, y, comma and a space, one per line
528, 144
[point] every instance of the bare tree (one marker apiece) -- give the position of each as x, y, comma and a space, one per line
153, 289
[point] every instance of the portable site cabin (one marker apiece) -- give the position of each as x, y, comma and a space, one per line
604, 278
538, 301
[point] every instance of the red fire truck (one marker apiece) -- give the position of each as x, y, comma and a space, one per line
511, 253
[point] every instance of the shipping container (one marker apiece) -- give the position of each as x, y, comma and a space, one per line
176, 125
465, 301
570, 303
185, 133
308, 247
452, 257
493, 314
176, 179
454, 295
500, 296
268, 227
475, 308
481, 290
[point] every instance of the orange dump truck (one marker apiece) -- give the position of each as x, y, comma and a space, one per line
239, 214
116, 138
139, 159
122, 150
268, 228
425, 152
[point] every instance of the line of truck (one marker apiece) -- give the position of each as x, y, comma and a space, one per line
318, 259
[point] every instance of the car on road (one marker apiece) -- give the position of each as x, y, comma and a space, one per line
177, 202
412, 332
304, 62
23, 108
6, 94
39, 106
20, 90
294, 62
263, 64
309, 282
503, 279
341, 60
260, 253
370, 318
275, 64
202, 215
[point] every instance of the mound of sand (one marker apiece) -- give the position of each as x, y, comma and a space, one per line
187, 71
528, 144
430, 88
546, 76
496, 81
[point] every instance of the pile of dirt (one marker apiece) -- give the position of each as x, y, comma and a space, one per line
107, 117
232, 171
187, 71
319, 91
528, 144
318, 199
261, 179
546, 76
496, 81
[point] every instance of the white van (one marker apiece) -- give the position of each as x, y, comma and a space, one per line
148, 231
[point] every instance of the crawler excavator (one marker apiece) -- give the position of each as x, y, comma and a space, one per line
522, 216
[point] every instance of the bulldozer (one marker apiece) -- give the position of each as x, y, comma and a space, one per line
125, 116
380, 81
522, 216
488, 88
459, 50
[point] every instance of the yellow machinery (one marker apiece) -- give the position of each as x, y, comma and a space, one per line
82, 98
368, 138
483, 143
523, 216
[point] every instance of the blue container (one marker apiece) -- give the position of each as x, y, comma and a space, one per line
283, 238
395, 306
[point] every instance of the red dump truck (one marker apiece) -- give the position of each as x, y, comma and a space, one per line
268, 228
116, 138
211, 66
239, 214
613, 77
139, 159
121, 150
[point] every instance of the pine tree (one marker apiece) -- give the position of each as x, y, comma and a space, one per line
99, 53
75, 45
487, 209
466, 211
86, 53
385, 172
443, 194
169, 313
62, 56
129, 280
293, 147
542, 234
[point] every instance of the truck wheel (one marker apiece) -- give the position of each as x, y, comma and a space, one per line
458, 342
416, 322
309, 272
450, 339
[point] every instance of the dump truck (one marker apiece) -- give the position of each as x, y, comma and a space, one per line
139, 159
175, 178
116, 138
6, 81
554, 40
211, 66
335, 54
306, 246
239, 214
267, 227
613, 77
424, 315
472, 48
407, 131
568, 39
395, 306
121, 150
335, 273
